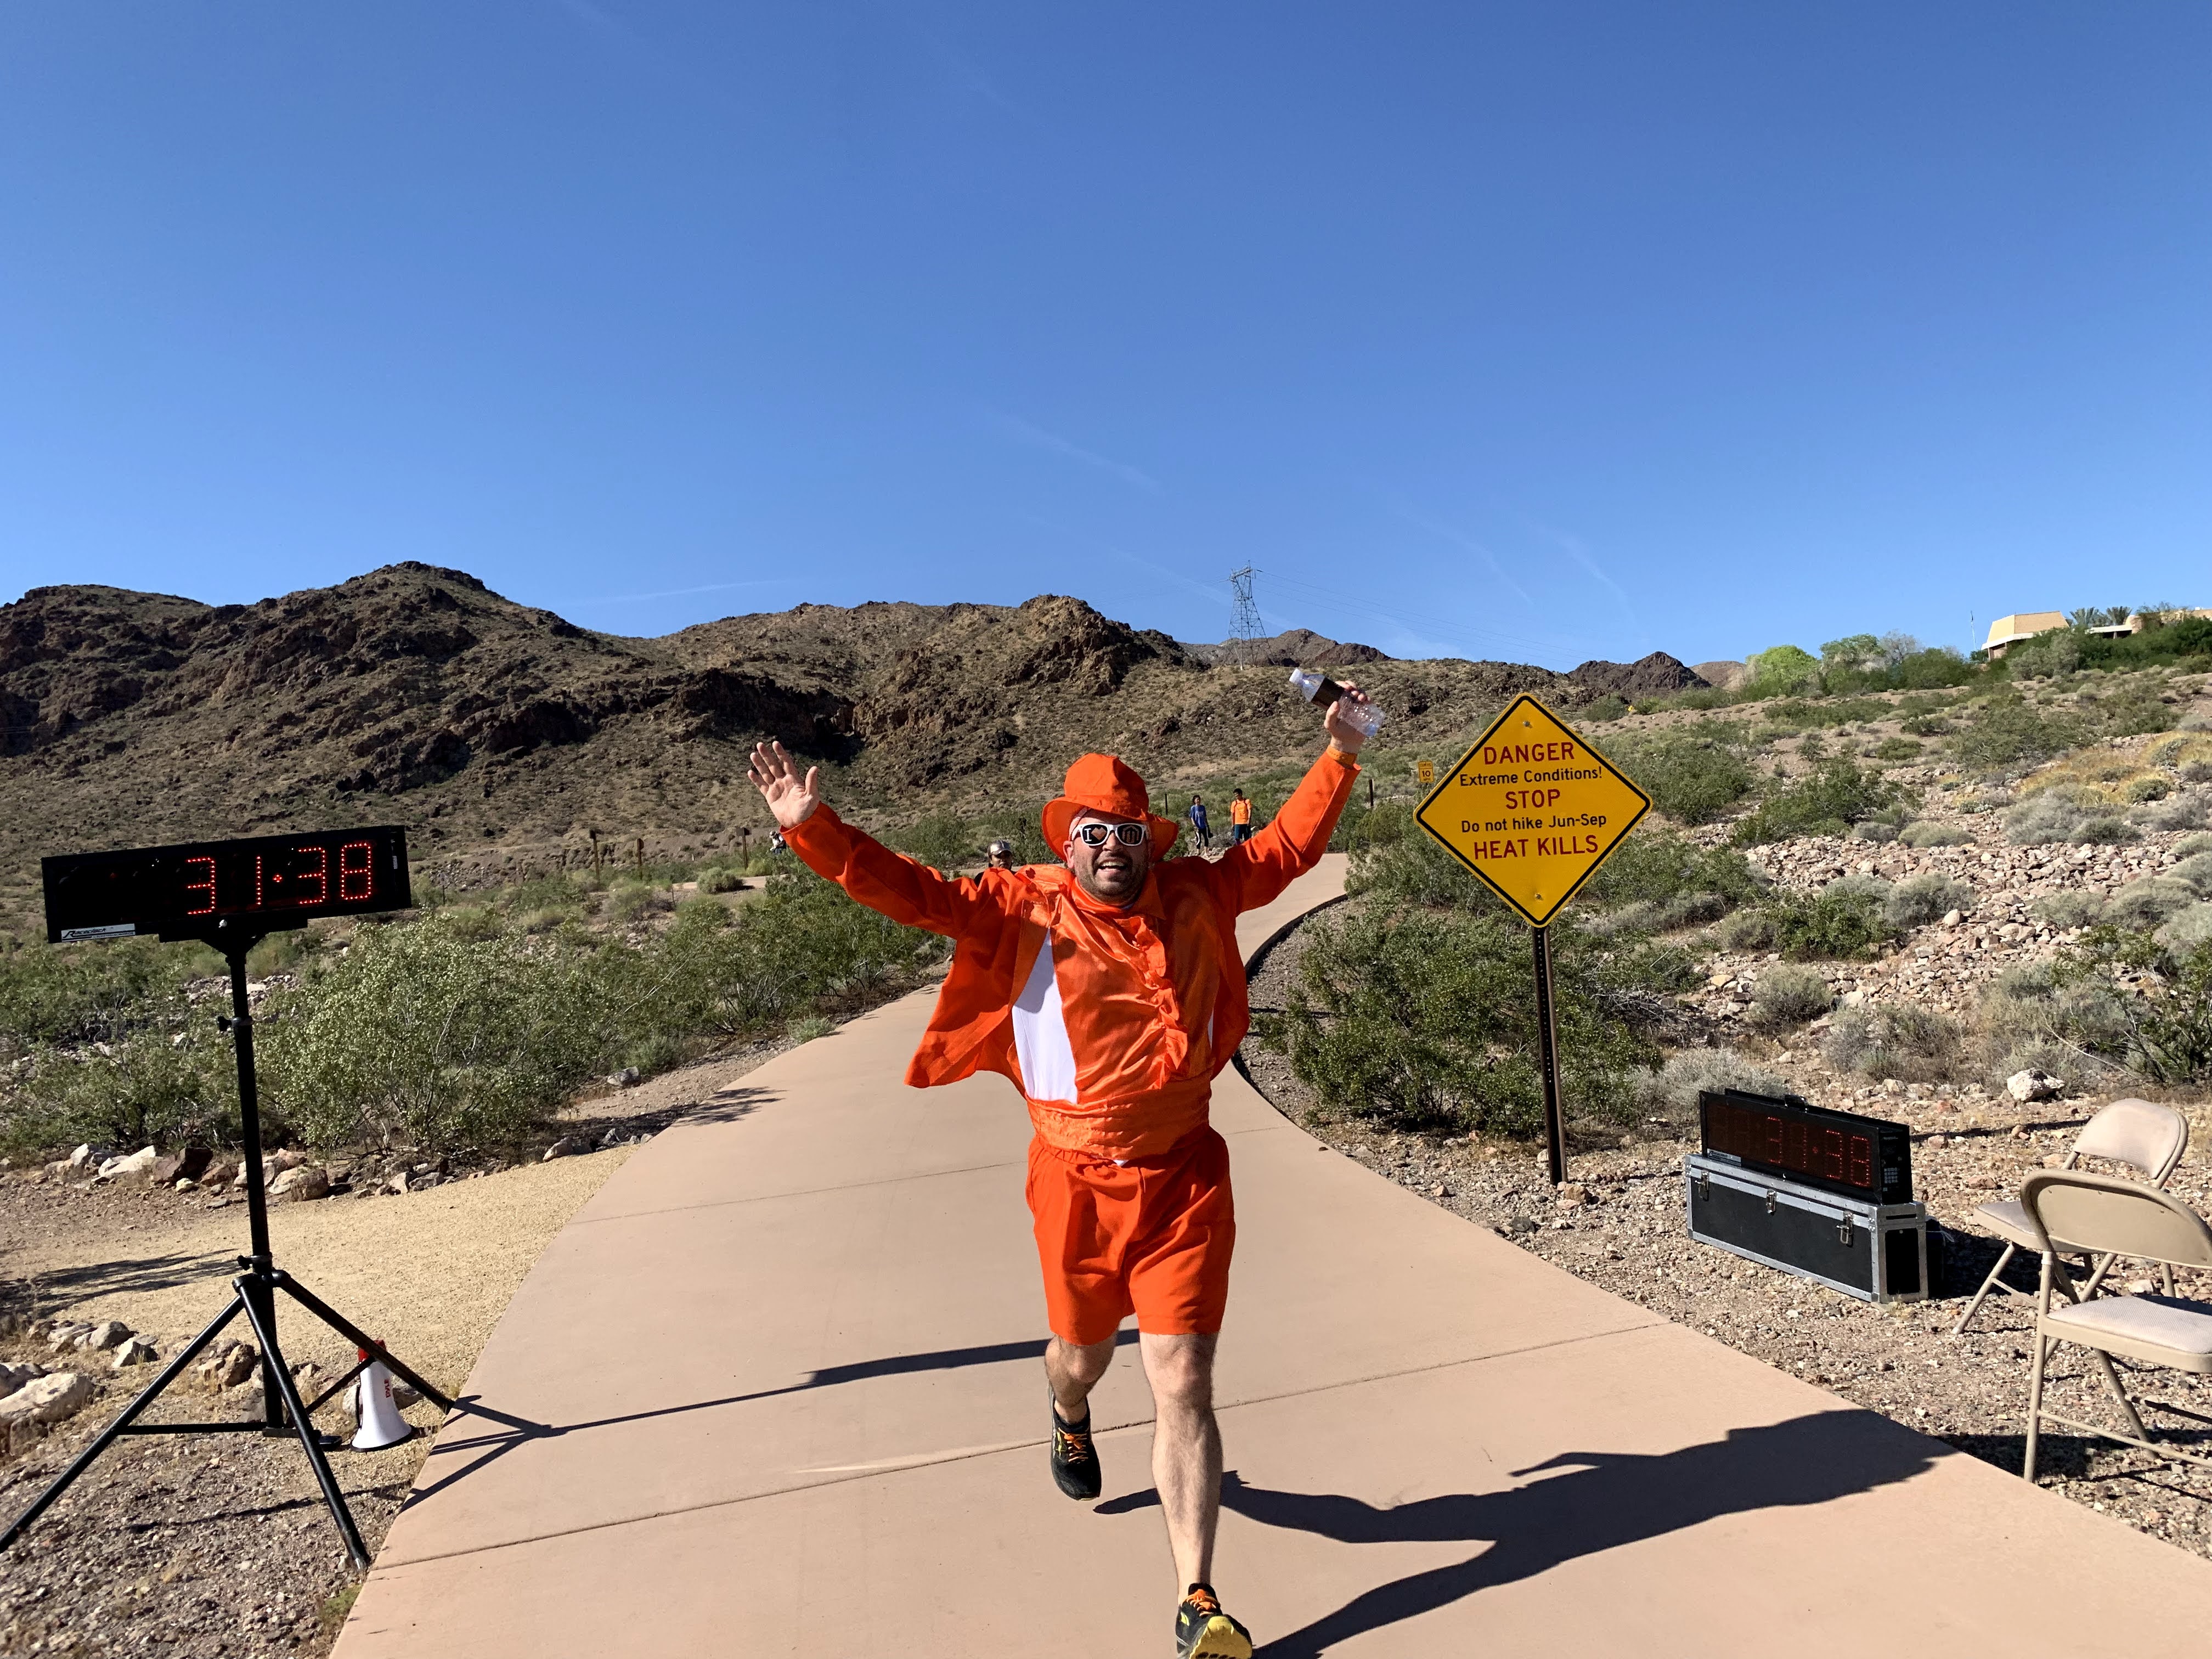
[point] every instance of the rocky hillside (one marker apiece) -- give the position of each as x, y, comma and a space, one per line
497, 731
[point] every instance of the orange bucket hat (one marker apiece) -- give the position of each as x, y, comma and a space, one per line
1104, 783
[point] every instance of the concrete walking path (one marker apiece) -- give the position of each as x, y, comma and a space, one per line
778, 1392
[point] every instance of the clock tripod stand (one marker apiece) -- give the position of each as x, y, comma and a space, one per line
253, 1294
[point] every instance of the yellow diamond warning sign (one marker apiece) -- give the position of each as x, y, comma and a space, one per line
1532, 809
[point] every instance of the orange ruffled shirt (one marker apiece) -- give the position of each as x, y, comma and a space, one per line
1152, 996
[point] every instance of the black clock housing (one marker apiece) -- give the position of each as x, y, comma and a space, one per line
214, 890
1864, 1158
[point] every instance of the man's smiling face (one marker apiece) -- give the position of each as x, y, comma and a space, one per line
1114, 872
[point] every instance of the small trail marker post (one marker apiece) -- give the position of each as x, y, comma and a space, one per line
1426, 772
1532, 809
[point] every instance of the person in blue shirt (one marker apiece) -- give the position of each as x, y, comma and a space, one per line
1197, 816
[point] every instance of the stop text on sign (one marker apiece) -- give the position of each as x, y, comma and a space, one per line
1532, 809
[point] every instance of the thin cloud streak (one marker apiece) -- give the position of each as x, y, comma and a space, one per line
1037, 437
1572, 546
1422, 521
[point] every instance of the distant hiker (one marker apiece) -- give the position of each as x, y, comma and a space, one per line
1110, 991
999, 855
1240, 820
1197, 816
776, 843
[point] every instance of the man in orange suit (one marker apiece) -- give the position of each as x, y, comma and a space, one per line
1110, 990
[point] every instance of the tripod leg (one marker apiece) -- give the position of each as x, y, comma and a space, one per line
353, 1333
169, 1374
308, 1440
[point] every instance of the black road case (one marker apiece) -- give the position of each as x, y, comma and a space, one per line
1875, 1252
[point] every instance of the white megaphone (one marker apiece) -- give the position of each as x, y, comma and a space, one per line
381, 1425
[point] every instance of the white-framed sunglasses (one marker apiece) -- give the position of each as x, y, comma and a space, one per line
1129, 835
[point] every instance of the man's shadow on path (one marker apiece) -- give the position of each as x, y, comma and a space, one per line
1607, 1499
522, 1430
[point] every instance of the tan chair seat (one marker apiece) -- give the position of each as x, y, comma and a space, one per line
2008, 1219
2164, 1329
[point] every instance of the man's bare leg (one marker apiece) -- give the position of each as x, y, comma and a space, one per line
1186, 1449
1072, 1372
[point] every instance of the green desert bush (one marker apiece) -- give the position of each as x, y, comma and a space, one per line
2070, 908
1845, 918
1926, 832
1670, 1094
2147, 902
2188, 811
1828, 802
165, 1082
1895, 1040
1893, 751
1918, 900
2195, 869
1677, 878
2049, 817
1748, 930
2005, 730
1690, 777
1433, 1026
1607, 707
2187, 929
1412, 869
1785, 996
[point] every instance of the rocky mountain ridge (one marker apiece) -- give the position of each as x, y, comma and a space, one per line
417, 695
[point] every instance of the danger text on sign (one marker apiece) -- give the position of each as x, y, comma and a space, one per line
1532, 809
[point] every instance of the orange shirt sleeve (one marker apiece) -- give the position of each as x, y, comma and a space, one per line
1254, 873
906, 889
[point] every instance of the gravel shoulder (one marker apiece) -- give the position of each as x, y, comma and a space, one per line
220, 1544
1620, 1223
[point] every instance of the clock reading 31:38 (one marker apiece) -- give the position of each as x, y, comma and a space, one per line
263, 882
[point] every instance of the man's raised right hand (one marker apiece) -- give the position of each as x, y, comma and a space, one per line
776, 776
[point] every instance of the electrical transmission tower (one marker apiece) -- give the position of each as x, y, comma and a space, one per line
1245, 629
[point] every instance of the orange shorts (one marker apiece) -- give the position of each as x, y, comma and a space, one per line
1151, 1237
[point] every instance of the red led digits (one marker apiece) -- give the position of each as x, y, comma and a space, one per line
1861, 1163
1832, 1161
206, 887
356, 871
320, 875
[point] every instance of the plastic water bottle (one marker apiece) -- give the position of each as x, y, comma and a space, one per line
1316, 687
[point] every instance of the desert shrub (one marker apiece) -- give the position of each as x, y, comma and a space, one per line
1878, 830
1656, 867
2146, 902
1897, 1039
1826, 802
1748, 930
427, 1034
2195, 869
942, 841
1670, 1093
1918, 900
1607, 707
1894, 751
2166, 1035
1926, 832
79, 994
721, 879
2143, 791
1780, 670
164, 1083
2131, 710
1691, 778
2187, 929
1843, 920
2073, 907
2006, 729
1412, 869
2050, 817
813, 1026
2188, 811
1785, 996
2190, 845
2046, 655
1434, 1026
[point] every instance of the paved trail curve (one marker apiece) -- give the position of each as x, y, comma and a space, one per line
778, 1394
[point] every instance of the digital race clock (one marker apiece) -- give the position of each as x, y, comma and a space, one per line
205, 890
1862, 1157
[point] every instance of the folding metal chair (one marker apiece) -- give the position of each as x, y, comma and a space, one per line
2138, 1133
2108, 1217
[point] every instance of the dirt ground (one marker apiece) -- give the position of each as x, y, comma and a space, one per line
219, 1544
1622, 1224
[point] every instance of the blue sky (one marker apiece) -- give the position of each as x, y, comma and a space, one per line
1542, 332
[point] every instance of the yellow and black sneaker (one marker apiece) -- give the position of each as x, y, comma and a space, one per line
1074, 1459
1204, 1631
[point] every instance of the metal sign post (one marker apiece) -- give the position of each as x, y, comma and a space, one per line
1532, 810
1547, 1053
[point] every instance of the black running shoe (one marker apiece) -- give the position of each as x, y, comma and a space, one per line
1074, 1459
1204, 1631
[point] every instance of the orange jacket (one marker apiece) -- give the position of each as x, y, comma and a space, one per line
1152, 996
1240, 810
